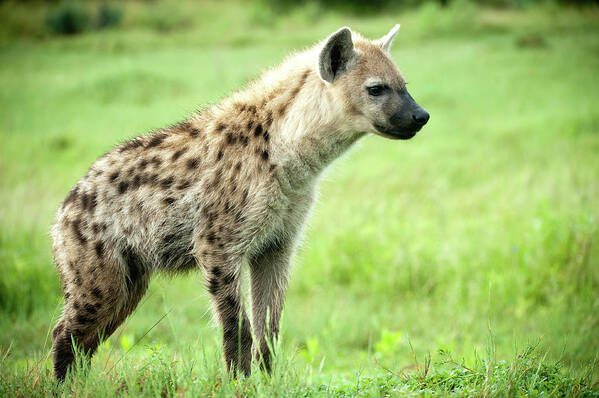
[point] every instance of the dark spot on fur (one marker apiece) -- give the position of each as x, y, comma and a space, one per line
266, 136
282, 109
182, 126
213, 286
258, 130
244, 140
137, 181
216, 271
167, 182
264, 155
156, 161
228, 279
230, 333
67, 295
142, 164
178, 154
131, 144
83, 319
272, 167
168, 201
230, 139
99, 249
114, 176
220, 127
170, 238
231, 302
91, 310
93, 201
97, 293
211, 237
302, 81
184, 185
77, 231
219, 155
123, 187
76, 305
193, 163
84, 201
156, 140
153, 179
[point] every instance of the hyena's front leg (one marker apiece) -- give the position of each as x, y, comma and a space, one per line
223, 279
269, 272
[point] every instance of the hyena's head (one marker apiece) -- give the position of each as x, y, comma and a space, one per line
360, 73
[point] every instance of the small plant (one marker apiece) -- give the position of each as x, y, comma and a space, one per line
109, 16
71, 18
68, 19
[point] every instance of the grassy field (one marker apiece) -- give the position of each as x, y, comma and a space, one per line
464, 261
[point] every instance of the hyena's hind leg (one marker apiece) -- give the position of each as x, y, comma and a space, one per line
222, 273
83, 321
95, 306
269, 272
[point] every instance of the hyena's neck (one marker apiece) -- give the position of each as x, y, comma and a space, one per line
313, 130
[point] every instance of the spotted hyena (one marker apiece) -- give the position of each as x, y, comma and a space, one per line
230, 185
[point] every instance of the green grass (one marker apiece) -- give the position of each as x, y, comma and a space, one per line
430, 267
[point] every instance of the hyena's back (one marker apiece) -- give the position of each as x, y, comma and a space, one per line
146, 206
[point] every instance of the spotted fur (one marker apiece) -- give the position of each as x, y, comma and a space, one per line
230, 185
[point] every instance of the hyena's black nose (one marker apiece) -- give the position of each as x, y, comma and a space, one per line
420, 116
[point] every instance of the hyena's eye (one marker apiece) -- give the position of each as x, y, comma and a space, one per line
377, 90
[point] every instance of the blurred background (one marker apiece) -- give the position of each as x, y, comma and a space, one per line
480, 232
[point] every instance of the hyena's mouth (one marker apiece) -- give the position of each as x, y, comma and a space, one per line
396, 134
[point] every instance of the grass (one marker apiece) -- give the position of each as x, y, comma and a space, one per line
430, 267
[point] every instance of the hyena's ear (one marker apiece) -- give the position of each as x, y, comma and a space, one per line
386, 41
336, 55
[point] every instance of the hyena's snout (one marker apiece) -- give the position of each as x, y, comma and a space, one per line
409, 117
420, 116
404, 117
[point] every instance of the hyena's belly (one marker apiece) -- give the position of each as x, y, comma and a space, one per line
161, 236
